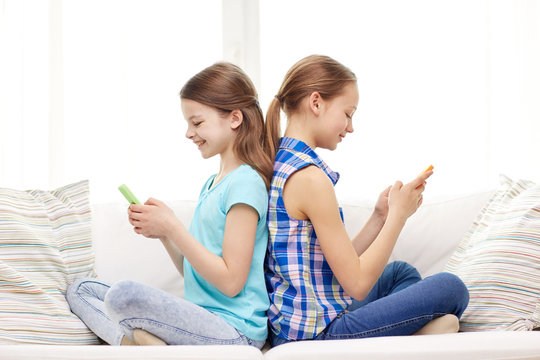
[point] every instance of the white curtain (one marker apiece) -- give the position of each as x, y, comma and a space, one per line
451, 83
89, 89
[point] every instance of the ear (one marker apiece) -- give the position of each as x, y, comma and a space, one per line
236, 118
315, 103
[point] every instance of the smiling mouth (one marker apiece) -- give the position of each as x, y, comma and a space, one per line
199, 143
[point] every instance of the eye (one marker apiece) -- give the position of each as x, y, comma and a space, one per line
348, 116
197, 123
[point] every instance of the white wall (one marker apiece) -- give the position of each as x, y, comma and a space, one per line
89, 89
449, 83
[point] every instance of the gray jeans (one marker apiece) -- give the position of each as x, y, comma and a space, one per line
113, 312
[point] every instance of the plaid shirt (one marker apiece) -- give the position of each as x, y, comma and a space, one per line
305, 296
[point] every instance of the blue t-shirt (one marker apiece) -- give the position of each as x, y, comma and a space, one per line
247, 310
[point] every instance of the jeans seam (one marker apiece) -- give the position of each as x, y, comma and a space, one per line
383, 328
88, 303
180, 330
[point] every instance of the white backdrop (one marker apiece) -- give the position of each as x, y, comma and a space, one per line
89, 89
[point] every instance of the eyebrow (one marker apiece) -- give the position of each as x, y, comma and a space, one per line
194, 117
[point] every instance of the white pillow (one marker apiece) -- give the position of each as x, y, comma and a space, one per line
499, 261
45, 243
121, 254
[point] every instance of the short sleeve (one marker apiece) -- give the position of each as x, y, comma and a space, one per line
247, 187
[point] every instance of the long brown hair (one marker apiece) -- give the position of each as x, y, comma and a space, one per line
226, 87
315, 73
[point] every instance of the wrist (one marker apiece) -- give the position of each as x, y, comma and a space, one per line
176, 231
378, 218
397, 217
170, 228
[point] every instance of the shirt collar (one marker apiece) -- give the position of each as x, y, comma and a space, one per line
302, 147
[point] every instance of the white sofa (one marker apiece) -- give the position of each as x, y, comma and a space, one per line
427, 241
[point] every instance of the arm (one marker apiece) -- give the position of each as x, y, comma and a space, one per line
228, 273
176, 256
373, 226
367, 235
357, 274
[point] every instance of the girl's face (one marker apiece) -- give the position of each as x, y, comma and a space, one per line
212, 132
336, 117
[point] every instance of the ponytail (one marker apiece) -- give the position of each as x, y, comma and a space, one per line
315, 73
272, 128
225, 87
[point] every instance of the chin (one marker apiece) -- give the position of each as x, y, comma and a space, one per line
208, 155
332, 146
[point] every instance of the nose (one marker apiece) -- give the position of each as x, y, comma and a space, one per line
350, 128
190, 133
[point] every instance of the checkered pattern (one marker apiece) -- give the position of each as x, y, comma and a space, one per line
304, 294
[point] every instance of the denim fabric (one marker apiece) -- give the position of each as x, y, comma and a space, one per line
113, 312
400, 303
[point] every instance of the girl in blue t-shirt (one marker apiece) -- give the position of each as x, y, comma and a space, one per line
322, 284
221, 255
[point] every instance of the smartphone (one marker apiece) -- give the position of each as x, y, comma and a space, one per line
128, 194
428, 169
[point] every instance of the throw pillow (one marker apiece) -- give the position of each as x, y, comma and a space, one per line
45, 243
499, 261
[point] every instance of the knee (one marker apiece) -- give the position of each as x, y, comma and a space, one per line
404, 269
456, 291
402, 265
119, 296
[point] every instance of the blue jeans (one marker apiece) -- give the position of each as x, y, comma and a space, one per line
400, 303
113, 312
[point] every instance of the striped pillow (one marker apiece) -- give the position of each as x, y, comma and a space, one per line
499, 261
45, 243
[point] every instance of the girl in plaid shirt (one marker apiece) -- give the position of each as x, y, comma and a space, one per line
321, 284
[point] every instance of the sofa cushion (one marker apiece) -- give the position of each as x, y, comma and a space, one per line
45, 243
432, 234
458, 346
499, 261
121, 254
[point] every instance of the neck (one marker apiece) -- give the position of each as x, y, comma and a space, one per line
228, 162
298, 128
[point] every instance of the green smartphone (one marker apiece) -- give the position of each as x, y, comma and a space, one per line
128, 194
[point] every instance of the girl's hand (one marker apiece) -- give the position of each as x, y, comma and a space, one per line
153, 220
381, 207
404, 200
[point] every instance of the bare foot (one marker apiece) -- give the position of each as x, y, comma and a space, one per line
443, 325
142, 337
127, 341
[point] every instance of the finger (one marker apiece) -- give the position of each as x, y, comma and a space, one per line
136, 208
395, 188
152, 201
430, 167
421, 179
136, 216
